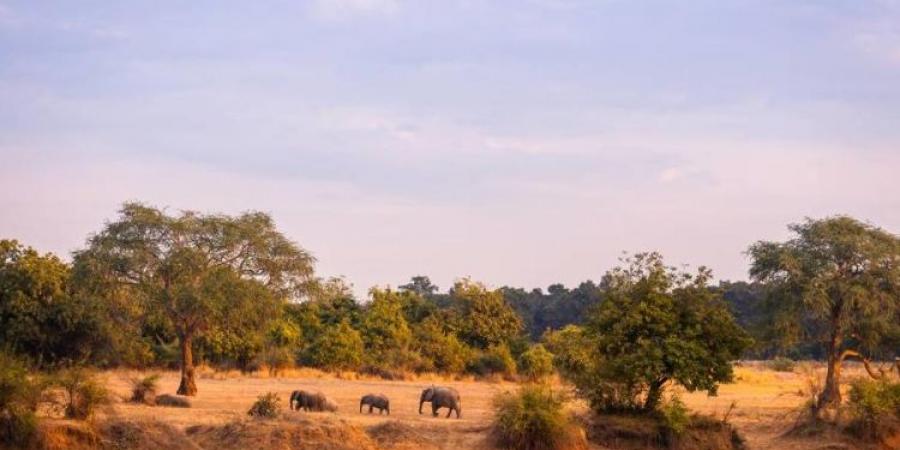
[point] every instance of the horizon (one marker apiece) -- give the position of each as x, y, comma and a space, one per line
519, 144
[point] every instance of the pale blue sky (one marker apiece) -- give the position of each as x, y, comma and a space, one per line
516, 142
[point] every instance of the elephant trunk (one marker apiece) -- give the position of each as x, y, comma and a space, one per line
421, 401
361, 403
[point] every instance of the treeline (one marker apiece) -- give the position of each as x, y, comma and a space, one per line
152, 289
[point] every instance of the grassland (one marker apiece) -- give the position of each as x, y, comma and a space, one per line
761, 403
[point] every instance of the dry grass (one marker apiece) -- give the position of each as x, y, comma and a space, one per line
764, 401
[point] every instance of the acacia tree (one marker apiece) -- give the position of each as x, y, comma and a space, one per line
484, 317
200, 270
835, 282
656, 325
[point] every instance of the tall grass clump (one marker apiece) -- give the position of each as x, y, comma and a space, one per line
875, 409
83, 392
19, 398
781, 364
266, 406
143, 389
534, 419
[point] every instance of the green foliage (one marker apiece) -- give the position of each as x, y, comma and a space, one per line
536, 363
204, 272
495, 360
556, 308
484, 317
266, 406
675, 416
143, 389
533, 419
781, 364
339, 347
84, 393
385, 333
39, 315
574, 351
19, 398
439, 349
655, 326
836, 281
875, 407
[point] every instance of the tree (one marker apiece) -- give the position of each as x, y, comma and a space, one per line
441, 350
836, 282
657, 325
420, 284
338, 347
484, 318
385, 332
202, 271
39, 315
536, 363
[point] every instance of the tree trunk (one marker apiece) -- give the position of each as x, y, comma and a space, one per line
831, 394
654, 395
188, 386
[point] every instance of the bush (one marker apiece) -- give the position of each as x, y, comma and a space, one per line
536, 363
18, 401
173, 401
875, 406
266, 406
339, 347
83, 392
496, 360
675, 416
143, 390
781, 364
534, 419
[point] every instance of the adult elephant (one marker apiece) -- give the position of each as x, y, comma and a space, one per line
311, 401
441, 397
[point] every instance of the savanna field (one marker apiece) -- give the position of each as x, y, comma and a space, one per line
763, 405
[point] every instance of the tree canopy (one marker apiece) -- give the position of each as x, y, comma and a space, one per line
202, 271
835, 282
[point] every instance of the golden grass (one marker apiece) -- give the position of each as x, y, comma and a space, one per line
760, 401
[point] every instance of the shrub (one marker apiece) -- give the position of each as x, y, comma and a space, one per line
536, 363
875, 407
534, 419
266, 406
173, 401
781, 364
495, 360
83, 392
675, 416
18, 400
143, 390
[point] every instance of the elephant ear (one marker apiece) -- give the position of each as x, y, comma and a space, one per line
428, 394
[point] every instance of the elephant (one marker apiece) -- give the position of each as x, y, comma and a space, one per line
441, 397
311, 401
377, 401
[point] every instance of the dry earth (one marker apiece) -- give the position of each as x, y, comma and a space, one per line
762, 404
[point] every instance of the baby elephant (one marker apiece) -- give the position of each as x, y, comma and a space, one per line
311, 401
441, 397
377, 401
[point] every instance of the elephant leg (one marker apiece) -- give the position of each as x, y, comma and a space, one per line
434, 410
449, 411
370, 409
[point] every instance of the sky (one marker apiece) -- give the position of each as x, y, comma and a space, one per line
518, 143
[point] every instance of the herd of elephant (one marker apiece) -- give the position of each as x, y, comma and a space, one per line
439, 397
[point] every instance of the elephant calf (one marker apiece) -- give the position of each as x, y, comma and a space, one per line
441, 397
377, 401
311, 401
